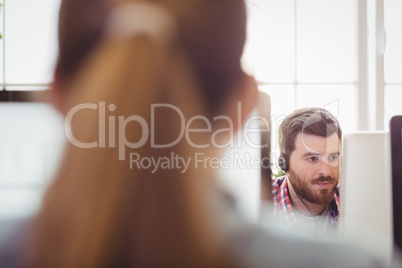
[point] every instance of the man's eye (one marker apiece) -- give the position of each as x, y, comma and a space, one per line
312, 159
334, 157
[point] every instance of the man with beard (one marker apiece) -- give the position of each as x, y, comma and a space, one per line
307, 197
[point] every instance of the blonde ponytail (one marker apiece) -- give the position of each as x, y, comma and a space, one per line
99, 212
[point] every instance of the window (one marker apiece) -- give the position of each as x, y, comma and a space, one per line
393, 59
29, 47
330, 54
31, 136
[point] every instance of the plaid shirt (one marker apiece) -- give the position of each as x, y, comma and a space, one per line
283, 208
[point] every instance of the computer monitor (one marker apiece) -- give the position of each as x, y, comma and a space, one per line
366, 212
396, 154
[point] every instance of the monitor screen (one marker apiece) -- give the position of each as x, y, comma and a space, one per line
366, 203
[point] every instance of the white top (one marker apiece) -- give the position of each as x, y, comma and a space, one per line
314, 226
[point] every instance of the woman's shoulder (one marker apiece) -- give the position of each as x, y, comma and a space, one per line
256, 246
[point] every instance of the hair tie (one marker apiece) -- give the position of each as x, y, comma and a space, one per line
142, 18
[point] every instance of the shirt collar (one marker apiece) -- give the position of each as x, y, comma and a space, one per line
285, 208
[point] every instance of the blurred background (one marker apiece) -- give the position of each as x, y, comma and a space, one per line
342, 55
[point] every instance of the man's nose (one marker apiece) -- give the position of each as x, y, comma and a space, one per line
324, 169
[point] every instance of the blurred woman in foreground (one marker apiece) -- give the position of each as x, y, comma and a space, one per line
103, 209
130, 75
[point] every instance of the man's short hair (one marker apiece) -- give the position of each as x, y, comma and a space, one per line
313, 121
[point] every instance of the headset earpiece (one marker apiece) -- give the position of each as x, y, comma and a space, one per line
283, 163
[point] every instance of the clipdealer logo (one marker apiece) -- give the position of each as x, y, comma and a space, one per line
148, 128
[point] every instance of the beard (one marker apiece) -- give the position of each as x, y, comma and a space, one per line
304, 188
